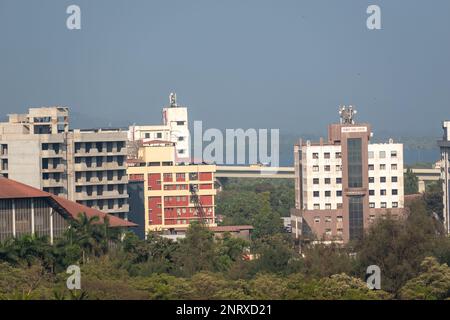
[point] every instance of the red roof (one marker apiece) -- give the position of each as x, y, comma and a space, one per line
10, 189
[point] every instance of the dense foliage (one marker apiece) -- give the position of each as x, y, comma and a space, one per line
413, 255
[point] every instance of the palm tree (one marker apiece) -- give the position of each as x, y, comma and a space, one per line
8, 251
93, 238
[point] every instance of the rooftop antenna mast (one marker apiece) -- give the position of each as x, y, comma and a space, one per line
347, 114
173, 100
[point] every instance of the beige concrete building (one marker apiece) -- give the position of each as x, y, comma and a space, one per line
86, 166
168, 201
343, 184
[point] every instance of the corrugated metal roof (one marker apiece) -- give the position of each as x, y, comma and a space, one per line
10, 189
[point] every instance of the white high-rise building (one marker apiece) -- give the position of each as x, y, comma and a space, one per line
175, 128
344, 183
444, 146
176, 118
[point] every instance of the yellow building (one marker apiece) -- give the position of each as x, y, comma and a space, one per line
168, 201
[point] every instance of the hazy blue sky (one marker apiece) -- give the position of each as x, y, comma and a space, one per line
235, 63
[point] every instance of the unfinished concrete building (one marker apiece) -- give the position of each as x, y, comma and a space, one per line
86, 166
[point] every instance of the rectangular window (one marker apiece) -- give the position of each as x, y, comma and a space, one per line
394, 192
327, 168
315, 168
371, 167
327, 155
354, 163
382, 167
316, 194
394, 179
317, 219
394, 204
382, 154
382, 179
338, 180
383, 192
316, 181
356, 214
370, 154
383, 205
339, 193
327, 193
372, 205
316, 206
394, 166
327, 181
393, 154
315, 155
371, 192
371, 179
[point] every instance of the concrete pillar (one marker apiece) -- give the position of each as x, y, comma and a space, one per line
14, 217
32, 216
421, 186
51, 225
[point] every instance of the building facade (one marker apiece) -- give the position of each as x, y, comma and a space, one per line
175, 128
27, 210
343, 184
87, 166
169, 204
444, 146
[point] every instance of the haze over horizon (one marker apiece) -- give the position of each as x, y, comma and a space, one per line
254, 64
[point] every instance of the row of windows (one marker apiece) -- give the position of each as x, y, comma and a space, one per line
327, 181
104, 204
327, 206
383, 179
100, 146
383, 167
100, 175
100, 160
327, 155
316, 194
371, 154
339, 206
326, 168
328, 219
339, 219
193, 211
382, 154
383, 205
383, 192
99, 189
339, 180
176, 198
